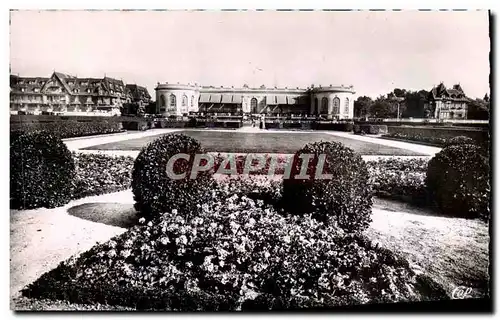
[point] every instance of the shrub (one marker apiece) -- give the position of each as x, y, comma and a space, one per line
236, 254
155, 192
458, 180
99, 173
41, 171
459, 140
345, 199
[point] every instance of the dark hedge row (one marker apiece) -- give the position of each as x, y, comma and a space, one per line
69, 129
437, 140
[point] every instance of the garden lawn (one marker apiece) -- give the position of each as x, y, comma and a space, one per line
265, 142
452, 251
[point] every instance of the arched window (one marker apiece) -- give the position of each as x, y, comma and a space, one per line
192, 101
336, 105
346, 106
173, 100
316, 106
184, 101
324, 105
163, 102
253, 105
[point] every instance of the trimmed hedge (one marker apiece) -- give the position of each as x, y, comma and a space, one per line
97, 174
41, 171
234, 254
459, 182
69, 129
341, 126
345, 199
154, 191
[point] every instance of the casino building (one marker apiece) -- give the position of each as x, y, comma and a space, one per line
333, 102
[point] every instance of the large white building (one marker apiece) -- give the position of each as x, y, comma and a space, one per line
334, 102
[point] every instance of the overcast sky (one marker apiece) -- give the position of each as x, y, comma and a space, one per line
374, 51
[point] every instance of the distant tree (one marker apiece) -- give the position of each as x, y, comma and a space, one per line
486, 98
362, 106
415, 104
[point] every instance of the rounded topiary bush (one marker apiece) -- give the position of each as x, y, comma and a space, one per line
458, 181
42, 170
345, 198
154, 191
459, 140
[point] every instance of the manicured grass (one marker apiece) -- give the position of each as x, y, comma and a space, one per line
266, 142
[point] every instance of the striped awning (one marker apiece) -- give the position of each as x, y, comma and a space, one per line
281, 99
237, 99
204, 98
215, 98
271, 100
227, 98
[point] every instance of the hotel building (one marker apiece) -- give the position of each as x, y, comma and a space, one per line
333, 102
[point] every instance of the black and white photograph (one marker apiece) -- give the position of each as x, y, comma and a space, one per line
250, 160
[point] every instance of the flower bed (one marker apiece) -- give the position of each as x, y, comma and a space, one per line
98, 174
69, 129
234, 253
